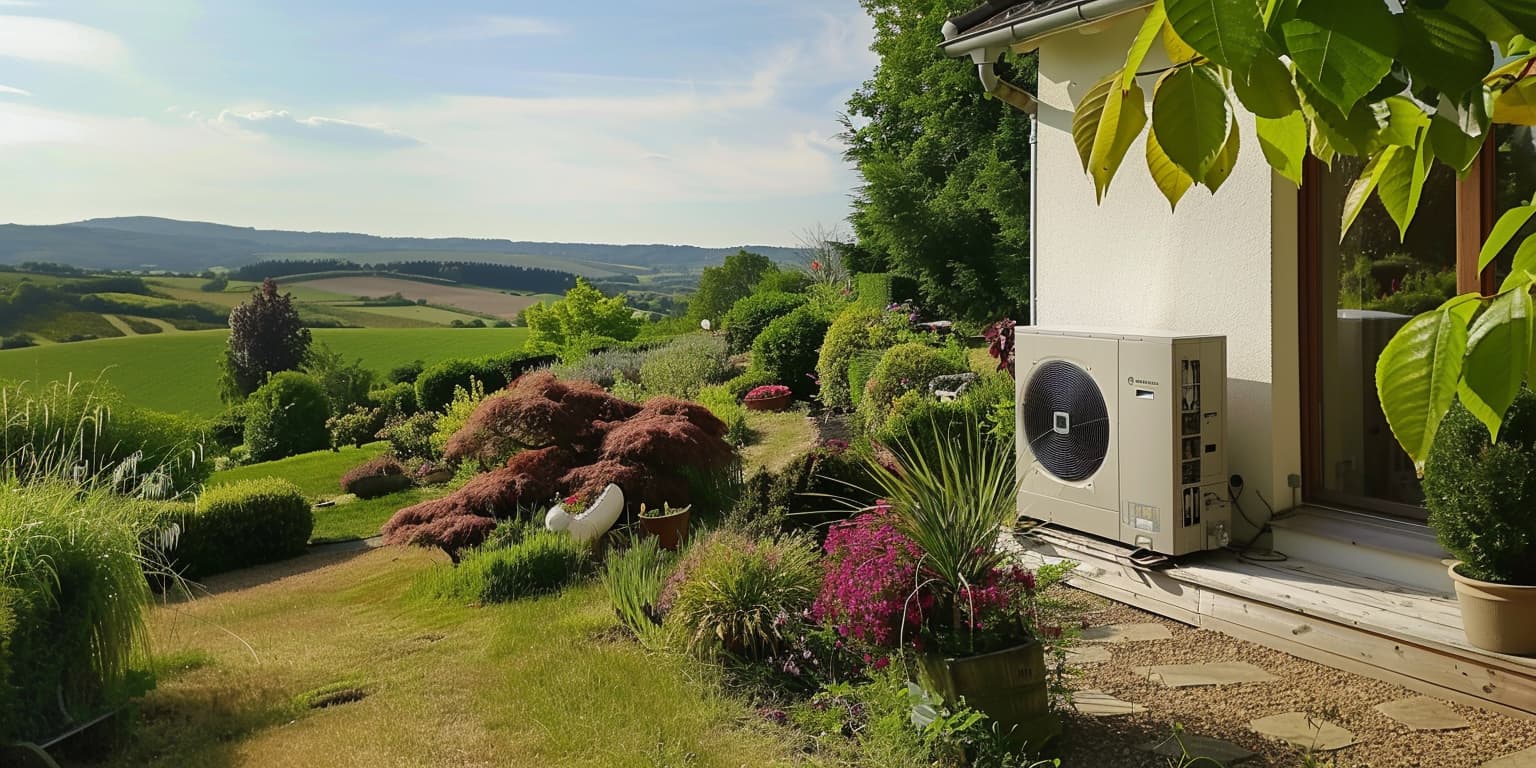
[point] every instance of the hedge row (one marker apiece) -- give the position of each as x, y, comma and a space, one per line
435, 385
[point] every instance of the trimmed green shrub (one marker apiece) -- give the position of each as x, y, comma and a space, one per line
860, 367
819, 486
244, 524
783, 281
856, 329
905, 368
538, 563
394, 399
922, 422
748, 317
685, 366
789, 347
356, 427
729, 593
1480, 494
435, 385
738, 386
286, 416
873, 290
727, 407
411, 437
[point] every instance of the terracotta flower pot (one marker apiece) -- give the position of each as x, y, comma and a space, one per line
768, 403
1497, 617
670, 530
1008, 686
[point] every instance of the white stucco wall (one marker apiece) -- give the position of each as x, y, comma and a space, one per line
1223, 264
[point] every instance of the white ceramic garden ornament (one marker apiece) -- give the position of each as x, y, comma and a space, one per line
595, 521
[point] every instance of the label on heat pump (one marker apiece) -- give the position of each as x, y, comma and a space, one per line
1142, 517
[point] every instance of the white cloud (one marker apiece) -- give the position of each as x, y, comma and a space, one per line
27, 125
59, 42
14, 91
326, 130
491, 28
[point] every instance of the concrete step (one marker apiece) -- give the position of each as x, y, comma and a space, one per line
1393, 550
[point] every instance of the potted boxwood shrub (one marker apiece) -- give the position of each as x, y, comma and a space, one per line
951, 497
668, 525
1481, 496
769, 397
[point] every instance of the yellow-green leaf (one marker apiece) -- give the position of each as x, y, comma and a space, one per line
1267, 91
1124, 115
1364, 185
1486, 18
1284, 143
1156, 19
1498, 351
1504, 230
1517, 104
1226, 160
1085, 121
1178, 51
1401, 120
1417, 375
1170, 179
1401, 183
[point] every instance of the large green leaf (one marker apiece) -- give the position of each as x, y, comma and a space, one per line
1170, 179
1226, 160
1284, 143
1417, 374
1401, 183
1191, 115
1443, 51
1268, 90
1521, 13
1151, 26
1488, 20
1498, 351
1401, 121
1453, 146
1524, 261
1517, 104
1178, 51
1343, 47
1353, 132
1504, 230
1365, 184
1228, 32
1123, 117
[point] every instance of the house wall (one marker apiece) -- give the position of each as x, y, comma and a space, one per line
1224, 264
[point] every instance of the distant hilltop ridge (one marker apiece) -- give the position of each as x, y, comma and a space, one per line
152, 243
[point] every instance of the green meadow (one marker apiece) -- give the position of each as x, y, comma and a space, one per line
179, 372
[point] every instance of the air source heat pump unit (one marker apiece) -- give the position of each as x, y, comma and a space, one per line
1123, 436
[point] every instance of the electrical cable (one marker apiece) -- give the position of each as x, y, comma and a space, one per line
1246, 551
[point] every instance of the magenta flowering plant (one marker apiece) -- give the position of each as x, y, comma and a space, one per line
767, 392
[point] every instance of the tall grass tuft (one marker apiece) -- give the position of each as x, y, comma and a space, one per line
634, 580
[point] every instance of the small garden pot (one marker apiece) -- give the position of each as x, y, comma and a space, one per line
768, 403
1007, 686
1497, 617
669, 530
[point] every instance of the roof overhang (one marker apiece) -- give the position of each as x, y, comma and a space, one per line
1021, 28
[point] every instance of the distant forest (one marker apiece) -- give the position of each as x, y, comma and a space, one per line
499, 276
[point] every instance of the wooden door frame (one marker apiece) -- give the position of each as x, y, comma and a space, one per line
1474, 220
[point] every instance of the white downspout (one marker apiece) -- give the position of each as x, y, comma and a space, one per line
1034, 216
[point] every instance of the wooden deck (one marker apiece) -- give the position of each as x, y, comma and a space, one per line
1345, 620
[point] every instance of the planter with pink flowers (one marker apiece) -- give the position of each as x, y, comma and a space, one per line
771, 397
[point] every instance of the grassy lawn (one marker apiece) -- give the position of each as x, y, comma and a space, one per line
533, 683
353, 518
778, 437
176, 372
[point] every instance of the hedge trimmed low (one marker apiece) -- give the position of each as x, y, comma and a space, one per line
244, 524
435, 385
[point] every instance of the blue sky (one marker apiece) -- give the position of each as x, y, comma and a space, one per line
690, 121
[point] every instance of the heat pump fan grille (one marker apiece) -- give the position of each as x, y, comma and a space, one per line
1066, 421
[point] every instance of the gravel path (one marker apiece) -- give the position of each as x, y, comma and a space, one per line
1224, 712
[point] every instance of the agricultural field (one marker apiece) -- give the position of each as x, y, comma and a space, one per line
591, 269
178, 372
477, 300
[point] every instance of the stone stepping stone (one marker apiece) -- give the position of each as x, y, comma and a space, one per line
1525, 758
1126, 633
1101, 704
1422, 713
1215, 673
1304, 733
1223, 752
1088, 654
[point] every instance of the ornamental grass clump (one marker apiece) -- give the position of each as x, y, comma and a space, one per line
535, 563
634, 580
734, 596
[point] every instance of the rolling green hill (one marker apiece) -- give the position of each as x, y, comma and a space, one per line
179, 372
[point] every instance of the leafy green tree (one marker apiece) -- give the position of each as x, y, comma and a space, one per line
721, 287
584, 313
346, 383
1402, 85
266, 336
945, 199
286, 416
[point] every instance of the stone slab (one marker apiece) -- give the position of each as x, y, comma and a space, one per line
1215, 673
1421, 713
1126, 633
1223, 752
1101, 704
1088, 654
1525, 758
1304, 733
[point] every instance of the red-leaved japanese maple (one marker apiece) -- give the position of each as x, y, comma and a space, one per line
567, 438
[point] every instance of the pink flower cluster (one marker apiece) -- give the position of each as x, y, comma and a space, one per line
869, 573
768, 391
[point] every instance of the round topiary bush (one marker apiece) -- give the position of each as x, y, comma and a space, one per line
1481, 494
904, 368
854, 330
286, 416
789, 348
748, 317
244, 524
